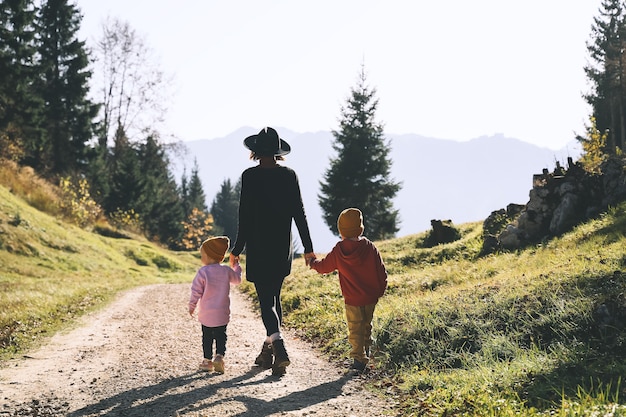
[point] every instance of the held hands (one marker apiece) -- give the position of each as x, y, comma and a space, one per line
308, 257
233, 260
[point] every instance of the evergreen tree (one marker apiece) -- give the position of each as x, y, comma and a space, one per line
225, 209
159, 206
98, 174
184, 193
607, 72
195, 197
20, 103
198, 223
359, 174
64, 86
124, 185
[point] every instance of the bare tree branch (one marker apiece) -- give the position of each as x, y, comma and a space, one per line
134, 89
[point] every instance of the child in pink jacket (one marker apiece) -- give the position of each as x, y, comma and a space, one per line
210, 292
362, 278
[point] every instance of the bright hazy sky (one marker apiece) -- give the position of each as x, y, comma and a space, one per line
453, 69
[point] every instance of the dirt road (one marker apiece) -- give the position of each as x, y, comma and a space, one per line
139, 357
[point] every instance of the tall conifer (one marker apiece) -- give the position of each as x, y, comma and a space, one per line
124, 186
195, 192
225, 209
20, 103
606, 72
184, 193
64, 85
159, 205
359, 174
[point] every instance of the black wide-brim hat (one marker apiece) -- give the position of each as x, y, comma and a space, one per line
267, 143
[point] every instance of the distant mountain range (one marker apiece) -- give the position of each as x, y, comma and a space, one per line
441, 179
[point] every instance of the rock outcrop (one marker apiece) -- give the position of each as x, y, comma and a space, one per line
558, 201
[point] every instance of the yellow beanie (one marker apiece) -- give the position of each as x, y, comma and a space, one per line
216, 247
350, 223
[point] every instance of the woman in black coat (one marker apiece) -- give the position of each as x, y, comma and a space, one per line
270, 200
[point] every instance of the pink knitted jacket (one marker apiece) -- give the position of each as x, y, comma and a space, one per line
210, 292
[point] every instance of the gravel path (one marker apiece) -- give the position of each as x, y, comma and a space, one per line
139, 357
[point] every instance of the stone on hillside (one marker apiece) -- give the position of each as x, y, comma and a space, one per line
510, 238
565, 216
558, 201
443, 232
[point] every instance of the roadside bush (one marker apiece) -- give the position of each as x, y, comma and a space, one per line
76, 203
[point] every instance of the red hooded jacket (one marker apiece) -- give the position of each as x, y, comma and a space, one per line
362, 273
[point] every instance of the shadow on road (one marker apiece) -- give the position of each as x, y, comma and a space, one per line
191, 394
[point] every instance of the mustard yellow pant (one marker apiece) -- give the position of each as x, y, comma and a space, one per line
360, 330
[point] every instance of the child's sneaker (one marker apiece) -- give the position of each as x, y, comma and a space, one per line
206, 365
218, 363
358, 367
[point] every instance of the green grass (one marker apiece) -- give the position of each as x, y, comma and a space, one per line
51, 272
537, 332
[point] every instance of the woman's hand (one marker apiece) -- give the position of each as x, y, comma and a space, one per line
308, 257
233, 260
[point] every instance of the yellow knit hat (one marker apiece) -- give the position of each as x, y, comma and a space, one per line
216, 247
350, 223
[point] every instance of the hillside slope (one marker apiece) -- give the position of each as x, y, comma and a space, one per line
539, 331
51, 271
534, 332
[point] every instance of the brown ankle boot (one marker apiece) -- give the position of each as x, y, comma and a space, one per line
265, 358
281, 359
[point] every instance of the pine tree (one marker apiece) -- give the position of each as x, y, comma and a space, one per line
140, 182
195, 197
159, 204
124, 184
64, 85
225, 209
607, 72
98, 174
359, 174
20, 103
198, 223
184, 193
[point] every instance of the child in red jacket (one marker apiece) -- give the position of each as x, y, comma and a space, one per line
362, 278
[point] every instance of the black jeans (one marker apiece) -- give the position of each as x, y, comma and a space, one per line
268, 293
210, 334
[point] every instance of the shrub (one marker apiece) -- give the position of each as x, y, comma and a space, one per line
76, 202
198, 227
126, 220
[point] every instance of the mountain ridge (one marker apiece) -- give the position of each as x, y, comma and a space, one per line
463, 181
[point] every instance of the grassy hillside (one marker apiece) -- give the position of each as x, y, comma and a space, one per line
537, 332
51, 271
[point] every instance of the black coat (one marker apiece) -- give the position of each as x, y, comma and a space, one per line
270, 199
